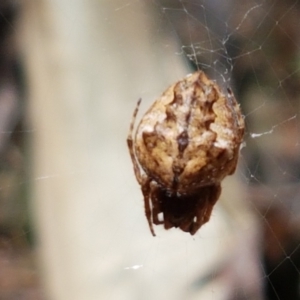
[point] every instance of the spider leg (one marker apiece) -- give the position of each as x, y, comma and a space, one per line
136, 167
212, 198
142, 179
195, 225
186, 226
146, 189
156, 209
203, 213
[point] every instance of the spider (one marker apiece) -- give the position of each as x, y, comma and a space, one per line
183, 147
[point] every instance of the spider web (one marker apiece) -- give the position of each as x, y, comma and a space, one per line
99, 245
254, 48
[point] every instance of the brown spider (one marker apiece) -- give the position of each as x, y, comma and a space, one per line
186, 143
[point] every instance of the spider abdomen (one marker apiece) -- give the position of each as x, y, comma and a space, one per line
188, 139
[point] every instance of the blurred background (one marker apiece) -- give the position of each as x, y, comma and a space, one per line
72, 222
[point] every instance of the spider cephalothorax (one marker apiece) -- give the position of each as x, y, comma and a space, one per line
186, 143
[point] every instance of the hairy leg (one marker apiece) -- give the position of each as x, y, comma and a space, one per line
136, 167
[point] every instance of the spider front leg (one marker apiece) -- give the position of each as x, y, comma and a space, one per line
142, 179
130, 145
